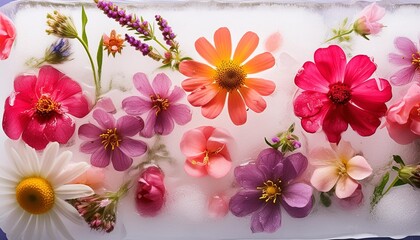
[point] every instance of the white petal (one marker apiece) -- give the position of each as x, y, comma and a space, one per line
59, 165
68, 211
60, 226
19, 164
72, 191
50, 228
16, 222
69, 173
30, 229
49, 161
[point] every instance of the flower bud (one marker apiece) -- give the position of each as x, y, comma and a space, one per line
410, 175
150, 193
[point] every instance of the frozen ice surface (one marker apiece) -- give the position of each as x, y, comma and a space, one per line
303, 28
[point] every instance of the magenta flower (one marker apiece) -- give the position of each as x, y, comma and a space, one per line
408, 58
160, 104
40, 108
110, 141
150, 193
336, 93
268, 184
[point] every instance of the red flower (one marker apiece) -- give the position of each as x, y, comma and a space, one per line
150, 194
40, 107
337, 93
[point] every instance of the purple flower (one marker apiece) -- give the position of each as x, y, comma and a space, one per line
142, 47
268, 183
110, 141
409, 58
159, 103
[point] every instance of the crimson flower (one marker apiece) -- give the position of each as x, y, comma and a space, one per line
150, 194
40, 108
336, 94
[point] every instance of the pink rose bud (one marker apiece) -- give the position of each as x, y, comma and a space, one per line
7, 36
367, 23
150, 194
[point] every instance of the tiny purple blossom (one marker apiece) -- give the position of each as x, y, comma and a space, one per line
110, 141
142, 47
160, 104
269, 183
408, 58
275, 139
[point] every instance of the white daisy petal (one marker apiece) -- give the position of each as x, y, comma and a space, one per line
50, 227
16, 223
60, 226
49, 163
69, 173
68, 211
20, 166
72, 191
31, 228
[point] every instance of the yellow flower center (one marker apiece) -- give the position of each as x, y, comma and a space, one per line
35, 195
110, 138
46, 105
230, 75
206, 158
270, 191
342, 168
416, 59
159, 104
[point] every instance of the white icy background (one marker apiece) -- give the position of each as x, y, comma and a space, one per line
303, 31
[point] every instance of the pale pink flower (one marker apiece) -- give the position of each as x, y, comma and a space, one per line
218, 206
403, 118
206, 151
408, 57
367, 23
93, 177
338, 167
7, 36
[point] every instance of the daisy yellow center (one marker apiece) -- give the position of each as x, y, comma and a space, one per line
35, 195
270, 191
416, 60
110, 139
339, 93
46, 106
230, 75
159, 104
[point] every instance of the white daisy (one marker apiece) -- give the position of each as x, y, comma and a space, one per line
33, 191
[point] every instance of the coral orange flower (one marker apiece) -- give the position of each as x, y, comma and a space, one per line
114, 43
210, 86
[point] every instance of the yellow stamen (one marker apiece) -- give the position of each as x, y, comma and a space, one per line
110, 138
206, 158
35, 195
46, 105
160, 104
416, 59
270, 191
342, 168
229, 75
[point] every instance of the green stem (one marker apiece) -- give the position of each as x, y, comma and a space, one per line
95, 79
391, 185
160, 44
340, 35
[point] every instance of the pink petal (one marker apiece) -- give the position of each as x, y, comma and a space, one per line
16, 118
262, 86
48, 77
236, 107
207, 51
345, 187
309, 78
401, 134
363, 122
25, 85
403, 76
213, 108
259, 63
297, 195
89, 147
77, 105
161, 84
106, 104
164, 123
273, 42
406, 46
142, 84
399, 59
415, 127
358, 69
66, 88
8, 29
324, 178
334, 124
194, 170
370, 92
223, 43
100, 158
373, 12
218, 206
129, 125
246, 46
195, 69
133, 148
120, 161
203, 95
191, 84
149, 126
176, 95
59, 129
253, 100
358, 168
104, 119
135, 105
331, 63
218, 166
193, 143
322, 157
181, 113
312, 107
34, 136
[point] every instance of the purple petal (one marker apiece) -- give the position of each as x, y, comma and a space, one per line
297, 195
129, 125
161, 85
104, 119
268, 219
299, 212
149, 126
141, 83
268, 160
100, 158
133, 148
180, 113
89, 131
120, 161
405, 45
294, 165
135, 105
249, 176
403, 76
90, 147
245, 202
164, 123
399, 59
176, 95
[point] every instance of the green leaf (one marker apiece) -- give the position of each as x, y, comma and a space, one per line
325, 199
84, 22
399, 183
398, 160
379, 189
99, 57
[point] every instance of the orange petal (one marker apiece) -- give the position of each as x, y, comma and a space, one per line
213, 108
253, 100
246, 47
259, 63
223, 43
262, 86
203, 95
207, 51
236, 107
191, 84
192, 68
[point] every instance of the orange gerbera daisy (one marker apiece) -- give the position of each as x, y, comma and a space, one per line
114, 43
209, 86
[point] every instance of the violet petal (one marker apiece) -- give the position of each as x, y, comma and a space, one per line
176, 95
149, 126
161, 84
133, 148
245, 202
268, 219
267, 160
403, 76
181, 113
141, 83
299, 212
135, 105
297, 195
164, 123
120, 161
90, 147
89, 131
129, 125
100, 158
294, 165
104, 119
249, 176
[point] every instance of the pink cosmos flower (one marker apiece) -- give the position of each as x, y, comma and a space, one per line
40, 108
336, 93
338, 167
160, 104
207, 152
367, 23
408, 58
7, 36
110, 141
150, 193
403, 118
